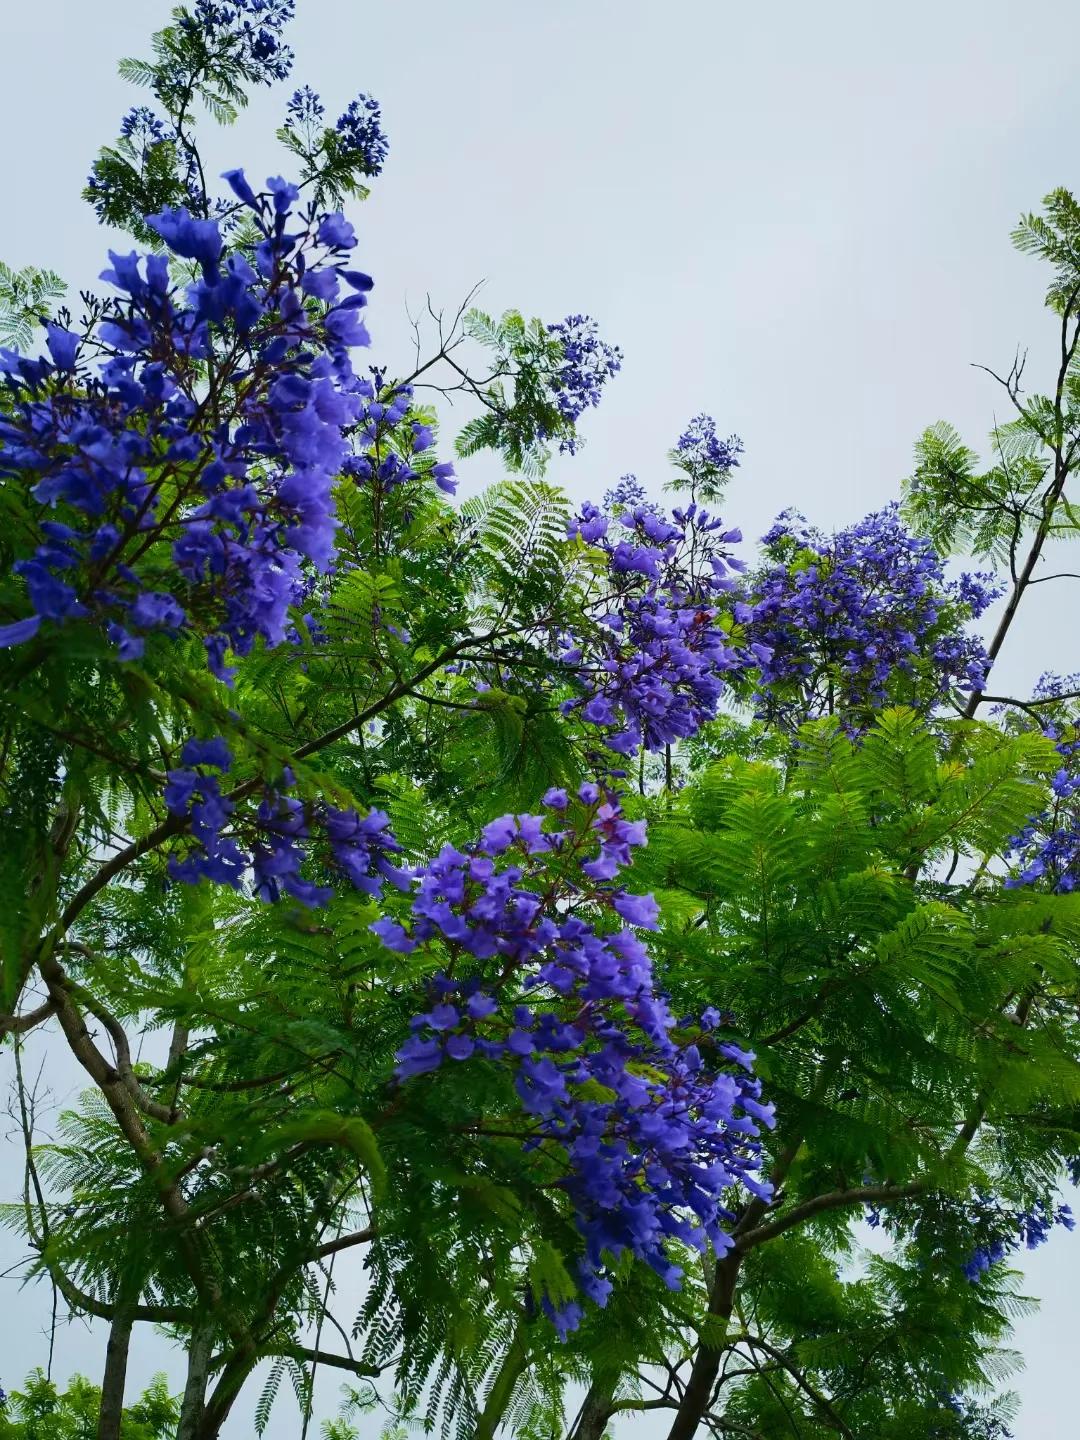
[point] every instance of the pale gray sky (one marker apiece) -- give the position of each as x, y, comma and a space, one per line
795, 217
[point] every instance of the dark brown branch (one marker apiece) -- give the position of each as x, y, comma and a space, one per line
697, 1396
1062, 463
82, 1302
755, 1342
345, 1242
121, 1052
821, 1204
20, 1024
131, 1126
323, 1357
1031, 705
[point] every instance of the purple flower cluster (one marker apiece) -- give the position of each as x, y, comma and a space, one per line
390, 447
1003, 1230
834, 622
360, 134
144, 448
628, 494
281, 833
142, 130
992, 1227
587, 364
651, 1132
703, 457
652, 670
1048, 847
305, 110
248, 31
1047, 850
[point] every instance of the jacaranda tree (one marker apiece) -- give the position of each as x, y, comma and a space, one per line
584, 924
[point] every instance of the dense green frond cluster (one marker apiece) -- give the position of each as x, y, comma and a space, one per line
26, 296
39, 1410
520, 417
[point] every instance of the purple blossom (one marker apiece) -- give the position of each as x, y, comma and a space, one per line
564, 1006
641, 910
1047, 850
705, 459
984, 1228
188, 236
254, 516
19, 632
247, 31
843, 624
62, 345
361, 135
628, 494
305, 110
1002, 1230
269, 844
654, 668
142, 125
586, 365
214, 752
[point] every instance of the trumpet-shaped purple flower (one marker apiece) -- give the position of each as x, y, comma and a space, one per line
251, 512
652, 1131
653, 670
587, 364
269, 845
840, 624
361, 136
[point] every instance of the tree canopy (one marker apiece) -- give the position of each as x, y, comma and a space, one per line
591, 924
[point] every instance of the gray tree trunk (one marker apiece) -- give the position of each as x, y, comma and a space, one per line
198, 1373
115, 1377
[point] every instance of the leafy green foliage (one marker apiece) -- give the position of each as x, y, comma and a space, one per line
990, 512
883, 1003
41, 1411
520, 413
1054, 237
26, 295
840, 902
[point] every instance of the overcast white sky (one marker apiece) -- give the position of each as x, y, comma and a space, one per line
795, 217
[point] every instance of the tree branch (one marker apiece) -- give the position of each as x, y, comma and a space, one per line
310, 1356
1062, 463
20, 1024
345, 1242
83, 1302
122, 1053
757, 1343
175, 825
820, 1204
